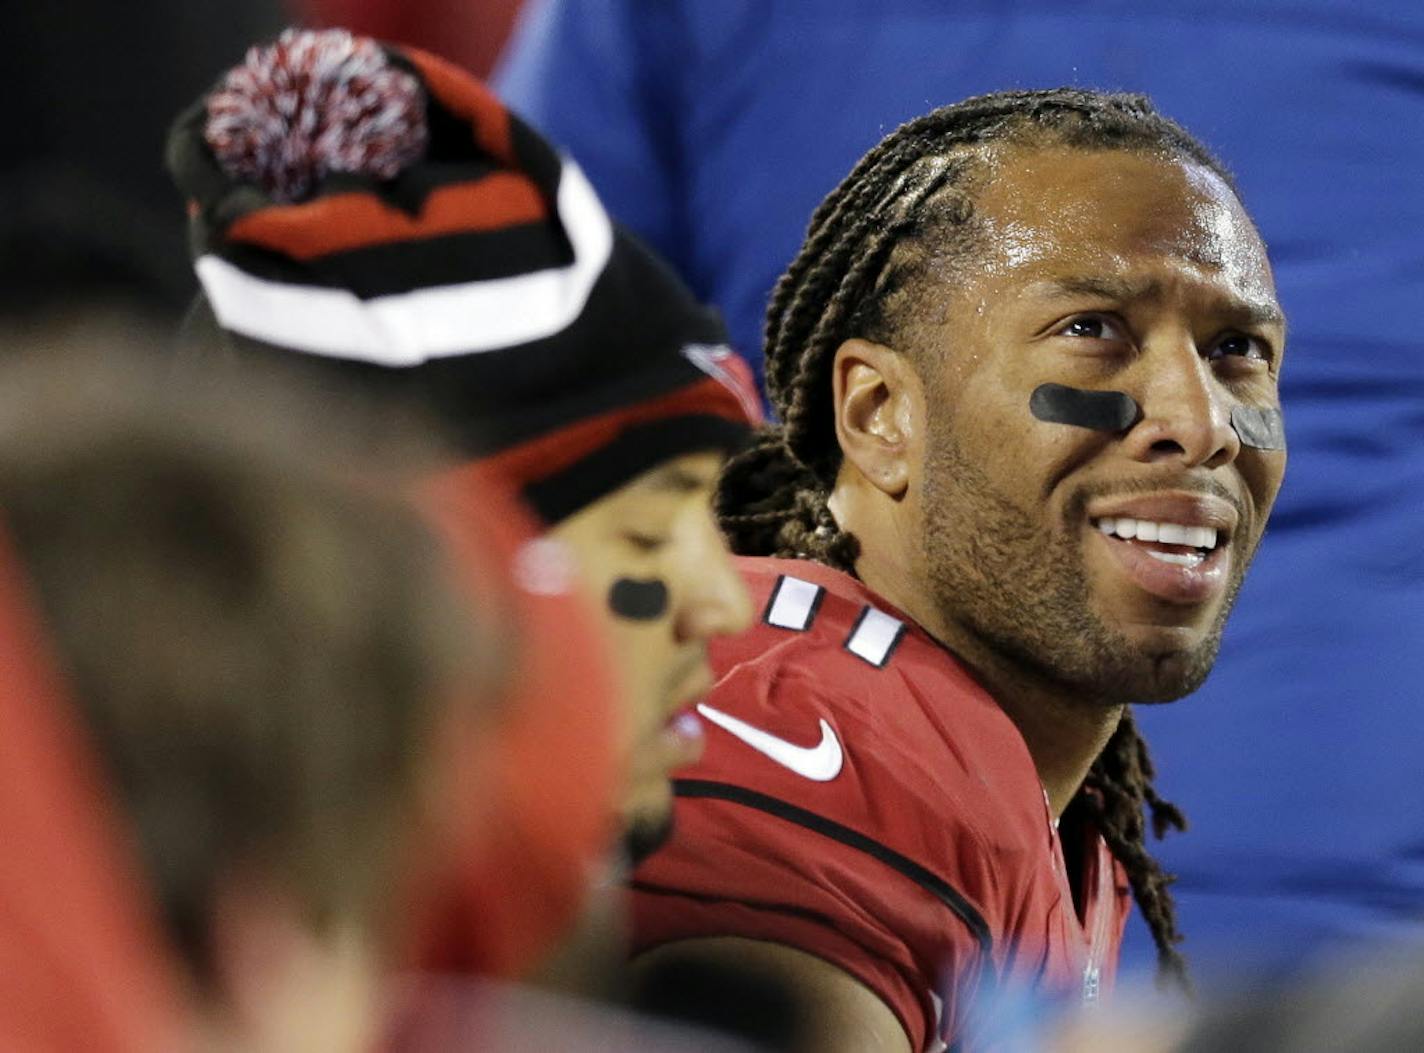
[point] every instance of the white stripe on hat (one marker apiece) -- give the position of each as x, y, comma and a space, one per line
406, 329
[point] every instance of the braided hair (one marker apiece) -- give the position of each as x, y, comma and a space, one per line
903, 214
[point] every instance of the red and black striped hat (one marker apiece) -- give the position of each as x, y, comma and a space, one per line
379, 211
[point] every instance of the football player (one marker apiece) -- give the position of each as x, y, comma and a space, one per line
1026, 368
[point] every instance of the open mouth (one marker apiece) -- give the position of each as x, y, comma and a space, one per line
1175, 543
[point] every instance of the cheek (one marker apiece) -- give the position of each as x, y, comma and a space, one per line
1263, 471
1016, 434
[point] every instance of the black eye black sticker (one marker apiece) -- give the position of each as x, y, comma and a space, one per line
1099, 410
1257, 427
639, 601
1264, 429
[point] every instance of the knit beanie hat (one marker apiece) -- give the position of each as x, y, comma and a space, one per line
378, 212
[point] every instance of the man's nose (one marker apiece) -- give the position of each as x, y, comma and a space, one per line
716, 602
1186, 412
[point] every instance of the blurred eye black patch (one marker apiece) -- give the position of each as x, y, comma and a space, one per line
1099, 410
639, 601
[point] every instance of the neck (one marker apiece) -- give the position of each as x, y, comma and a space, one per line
1063, 737
1064, 733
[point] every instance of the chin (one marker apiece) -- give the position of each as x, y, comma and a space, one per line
646, 832
1165, 675
647, 816
1163, 642
1115, 666
1164, 662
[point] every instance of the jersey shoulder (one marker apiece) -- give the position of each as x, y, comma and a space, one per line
860, 797
808, 609
925, 756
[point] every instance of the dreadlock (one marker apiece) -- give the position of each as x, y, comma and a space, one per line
907, 207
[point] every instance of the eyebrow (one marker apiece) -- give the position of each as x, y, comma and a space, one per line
677, 480
1243, 312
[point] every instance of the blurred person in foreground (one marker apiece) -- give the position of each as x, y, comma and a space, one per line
691, 119
375, 214
1026, 365
1365, 1000
228, 669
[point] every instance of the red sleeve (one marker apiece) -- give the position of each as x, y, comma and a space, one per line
827, 868
752, 876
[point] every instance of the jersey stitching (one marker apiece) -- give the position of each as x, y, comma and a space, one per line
926, 879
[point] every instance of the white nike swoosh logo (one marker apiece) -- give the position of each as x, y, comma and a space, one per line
820, 763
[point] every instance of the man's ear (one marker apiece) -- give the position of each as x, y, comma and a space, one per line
876, 394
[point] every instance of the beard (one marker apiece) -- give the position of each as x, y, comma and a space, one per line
1022, 590
645, 834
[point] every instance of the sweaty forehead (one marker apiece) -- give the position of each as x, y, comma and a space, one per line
1064, 209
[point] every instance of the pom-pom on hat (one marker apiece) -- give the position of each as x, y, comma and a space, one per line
377, 212
313, 104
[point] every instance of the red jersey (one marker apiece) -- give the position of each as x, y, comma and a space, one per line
864, 800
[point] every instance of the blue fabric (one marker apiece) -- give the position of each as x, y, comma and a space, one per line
714, 127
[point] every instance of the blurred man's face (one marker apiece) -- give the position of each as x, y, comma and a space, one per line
663, 585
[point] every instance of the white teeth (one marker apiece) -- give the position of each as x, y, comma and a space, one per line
1167, 533
1201, 537
1172, 534
1181, 559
